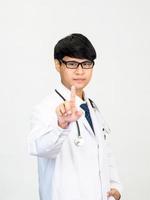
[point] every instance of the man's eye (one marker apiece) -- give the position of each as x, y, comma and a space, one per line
72, 63
87, 63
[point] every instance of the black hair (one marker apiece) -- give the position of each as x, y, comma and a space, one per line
75, 45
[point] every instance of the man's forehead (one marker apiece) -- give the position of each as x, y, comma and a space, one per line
67, 58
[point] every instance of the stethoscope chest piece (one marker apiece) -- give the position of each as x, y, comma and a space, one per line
79, 141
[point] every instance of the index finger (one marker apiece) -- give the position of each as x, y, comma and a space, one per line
73, 94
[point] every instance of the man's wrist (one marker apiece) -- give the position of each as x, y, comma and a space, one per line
63, 125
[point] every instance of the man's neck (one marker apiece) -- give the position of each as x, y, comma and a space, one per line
80, 93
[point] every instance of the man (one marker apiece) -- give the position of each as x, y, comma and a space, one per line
69, 135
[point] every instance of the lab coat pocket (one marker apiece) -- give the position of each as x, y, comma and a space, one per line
106, 131
104, 136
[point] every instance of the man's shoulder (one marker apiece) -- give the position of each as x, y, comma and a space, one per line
49, 101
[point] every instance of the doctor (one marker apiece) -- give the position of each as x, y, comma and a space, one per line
68, 134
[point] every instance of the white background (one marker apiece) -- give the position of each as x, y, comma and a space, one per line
120, 32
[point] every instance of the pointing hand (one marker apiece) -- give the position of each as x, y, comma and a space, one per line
67, 111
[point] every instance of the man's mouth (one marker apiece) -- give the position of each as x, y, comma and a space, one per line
79, 79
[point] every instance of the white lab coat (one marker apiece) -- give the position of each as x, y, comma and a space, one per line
66, 171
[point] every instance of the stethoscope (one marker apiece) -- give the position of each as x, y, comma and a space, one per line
79, 141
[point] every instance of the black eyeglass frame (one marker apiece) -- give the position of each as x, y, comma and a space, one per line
78, 63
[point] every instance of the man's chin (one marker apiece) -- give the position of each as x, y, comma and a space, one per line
79, 86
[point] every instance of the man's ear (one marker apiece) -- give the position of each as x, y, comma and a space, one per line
57, 64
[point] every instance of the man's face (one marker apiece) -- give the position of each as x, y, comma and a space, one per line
78, 77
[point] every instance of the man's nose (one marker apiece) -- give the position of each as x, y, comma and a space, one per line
79, 69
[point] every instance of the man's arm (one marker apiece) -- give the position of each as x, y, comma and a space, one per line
46, 137
115, 184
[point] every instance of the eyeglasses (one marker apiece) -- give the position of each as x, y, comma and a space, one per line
74, 65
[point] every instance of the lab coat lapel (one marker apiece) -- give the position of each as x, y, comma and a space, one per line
98, 126
86, 124
94, 119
